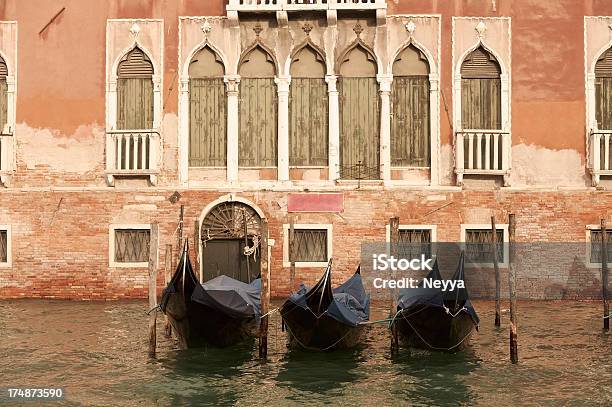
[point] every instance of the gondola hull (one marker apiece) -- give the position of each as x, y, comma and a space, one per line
431, 328
306, 331
196, 325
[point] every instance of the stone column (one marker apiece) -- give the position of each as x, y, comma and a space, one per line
385, 125
183, 141
282, 84
334, 128
232, 82
434, 126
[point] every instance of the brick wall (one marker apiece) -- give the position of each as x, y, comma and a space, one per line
60, 239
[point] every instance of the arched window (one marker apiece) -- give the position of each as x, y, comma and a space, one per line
258, 110
308, 110
3, 94
410, 146
135, 91
603, 91
359, 116
481, 91
207, 111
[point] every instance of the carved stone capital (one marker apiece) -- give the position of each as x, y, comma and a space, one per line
282, 83
385, 82
232, 83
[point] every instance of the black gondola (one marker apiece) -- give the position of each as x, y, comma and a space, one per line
429, 318
324, 319
220, 312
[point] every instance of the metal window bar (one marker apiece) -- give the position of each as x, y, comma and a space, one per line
132, 245
309, 245
596, 245
359, 172
3, 246
414, 242
478, 245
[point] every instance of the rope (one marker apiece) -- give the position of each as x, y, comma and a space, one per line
608, 316
316, 349
450, 313
270, 312
157, 307
248, 251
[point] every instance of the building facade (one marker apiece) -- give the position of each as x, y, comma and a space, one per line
329, 115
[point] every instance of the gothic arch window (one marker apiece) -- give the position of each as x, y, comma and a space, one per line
257, 146
603, 91
410, 121
481, 91
359, 115
207, 110
308, 109
135, 91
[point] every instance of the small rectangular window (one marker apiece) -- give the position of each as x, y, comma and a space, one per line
478, 245
414, 242
132, 245
309, 245
596, 236
3, 246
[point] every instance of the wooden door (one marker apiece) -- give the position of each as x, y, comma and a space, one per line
225, 257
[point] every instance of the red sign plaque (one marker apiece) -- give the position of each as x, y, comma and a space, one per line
315, 203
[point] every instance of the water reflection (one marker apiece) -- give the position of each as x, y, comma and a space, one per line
97, 351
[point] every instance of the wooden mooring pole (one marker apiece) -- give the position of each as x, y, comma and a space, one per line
394, 241
604, 275
291, 256
512, 287
196, 249
167, 277
265, 291
153, 249
179, 235
497, 276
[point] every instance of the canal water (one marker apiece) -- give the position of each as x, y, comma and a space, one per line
97, 353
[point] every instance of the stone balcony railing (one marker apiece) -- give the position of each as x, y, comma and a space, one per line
482, 152
304, 5
132, 153
601, 160
6, 156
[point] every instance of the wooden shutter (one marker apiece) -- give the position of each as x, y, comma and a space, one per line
410, 132
309, 245
135, 103
308, 107
258, 123
480, 91
603, 91
132, 245
135, 92
207, 122
359, 123
3, 246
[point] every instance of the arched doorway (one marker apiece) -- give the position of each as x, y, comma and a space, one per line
230, 234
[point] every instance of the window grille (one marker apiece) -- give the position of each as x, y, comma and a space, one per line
414, 242
478, 245
3, 246
132, 245
596, 246
309, 245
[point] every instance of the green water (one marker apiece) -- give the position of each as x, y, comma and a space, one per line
97, 352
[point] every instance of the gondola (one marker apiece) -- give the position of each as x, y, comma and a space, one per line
432, 319
220, 312
324, 319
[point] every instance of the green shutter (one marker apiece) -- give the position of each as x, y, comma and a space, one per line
359, 126
308, 117
481, 103
134, 103
207, 135
410, 146
258, 123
